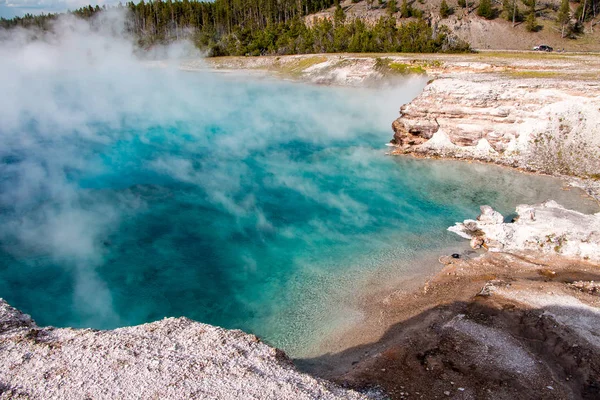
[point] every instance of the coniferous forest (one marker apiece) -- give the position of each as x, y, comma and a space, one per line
263, 27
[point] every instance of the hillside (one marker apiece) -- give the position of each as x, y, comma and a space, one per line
260, 27
482, 33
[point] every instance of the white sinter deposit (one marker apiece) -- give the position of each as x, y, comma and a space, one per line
544, 125
546, 227
175, 358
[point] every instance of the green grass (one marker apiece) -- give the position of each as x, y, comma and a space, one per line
534, 74
551, 74
387, 66
524, 55
405, 64
296, 67
401, 68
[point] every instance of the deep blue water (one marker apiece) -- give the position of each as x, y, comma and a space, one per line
245, 203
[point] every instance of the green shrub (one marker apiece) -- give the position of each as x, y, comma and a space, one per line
445, 10
531, 22
486, 10
406, 10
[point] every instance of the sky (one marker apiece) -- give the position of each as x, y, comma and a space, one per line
13, 8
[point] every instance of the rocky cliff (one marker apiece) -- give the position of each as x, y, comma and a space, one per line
175, 358
543, 125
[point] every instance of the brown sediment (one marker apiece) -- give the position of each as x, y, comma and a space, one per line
495, 326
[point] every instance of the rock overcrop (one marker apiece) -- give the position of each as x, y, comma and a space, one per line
546, 227
540, 125
175, 358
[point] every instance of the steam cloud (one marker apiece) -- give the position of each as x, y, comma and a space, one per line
71, 95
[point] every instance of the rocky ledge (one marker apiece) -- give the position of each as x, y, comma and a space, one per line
175, 358
546, 228
542, 125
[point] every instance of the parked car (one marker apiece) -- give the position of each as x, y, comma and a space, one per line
543, 47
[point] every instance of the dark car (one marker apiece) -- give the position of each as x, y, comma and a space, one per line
543, 47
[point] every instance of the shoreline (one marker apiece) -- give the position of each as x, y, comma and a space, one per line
370, 288
530, 124
424, 354
512, 323
439, 336
504, 323
383, 284
359, 70
589, 186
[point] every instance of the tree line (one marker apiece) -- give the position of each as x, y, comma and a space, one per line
262, 27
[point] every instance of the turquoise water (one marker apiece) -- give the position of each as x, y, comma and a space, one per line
240, 202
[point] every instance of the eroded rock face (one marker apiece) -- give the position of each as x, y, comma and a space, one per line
175, 358
541, 125
546, 227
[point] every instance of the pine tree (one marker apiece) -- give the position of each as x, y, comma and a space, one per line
486, 10
444, 9
511, 11
586, 11
392, 7
339, 17
531, 22
406, 9
564, 17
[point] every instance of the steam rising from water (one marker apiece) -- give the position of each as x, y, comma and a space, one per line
130, 193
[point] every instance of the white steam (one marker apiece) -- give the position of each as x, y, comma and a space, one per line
70, 94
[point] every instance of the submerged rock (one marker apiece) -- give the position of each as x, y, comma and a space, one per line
175, 358
546, 227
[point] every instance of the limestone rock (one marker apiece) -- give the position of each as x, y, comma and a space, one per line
471, 225
477, 242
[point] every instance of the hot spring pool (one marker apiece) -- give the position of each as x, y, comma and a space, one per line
131, 195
